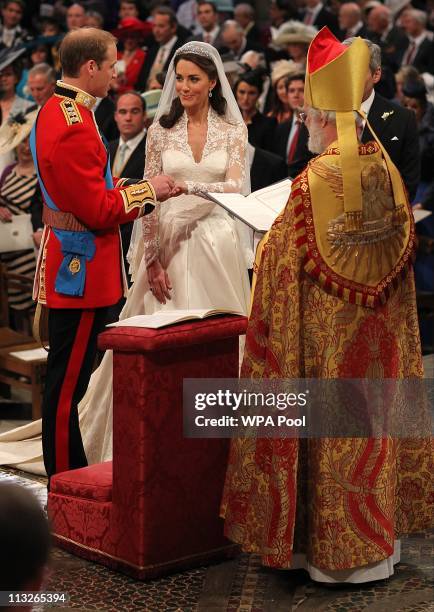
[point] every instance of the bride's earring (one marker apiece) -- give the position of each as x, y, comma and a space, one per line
210, 93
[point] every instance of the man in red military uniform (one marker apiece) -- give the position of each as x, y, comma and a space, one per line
80, 265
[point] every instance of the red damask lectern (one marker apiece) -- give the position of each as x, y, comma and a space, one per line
155, 508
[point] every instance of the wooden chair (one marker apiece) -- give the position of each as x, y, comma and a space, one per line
14, 372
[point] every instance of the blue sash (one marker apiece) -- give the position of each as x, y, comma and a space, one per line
77, 247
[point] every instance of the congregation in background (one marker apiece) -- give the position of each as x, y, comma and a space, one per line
263, 47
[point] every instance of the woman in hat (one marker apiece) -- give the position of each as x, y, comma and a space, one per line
10, 102
295, 37
131, 32
280, 108
19, 195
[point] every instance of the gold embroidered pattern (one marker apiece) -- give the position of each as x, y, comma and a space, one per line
71, 111
138, 195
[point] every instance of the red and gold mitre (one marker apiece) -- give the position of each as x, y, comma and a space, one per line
353, 220
335, 80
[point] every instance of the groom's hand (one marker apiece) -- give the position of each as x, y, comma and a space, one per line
163, 186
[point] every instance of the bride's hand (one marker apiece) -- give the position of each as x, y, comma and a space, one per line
179, 187
159, 282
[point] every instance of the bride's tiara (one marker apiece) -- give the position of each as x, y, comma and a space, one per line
193, 47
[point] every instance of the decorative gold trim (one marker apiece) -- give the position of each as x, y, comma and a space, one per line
144, 567
82, 97
138, 195
71, 111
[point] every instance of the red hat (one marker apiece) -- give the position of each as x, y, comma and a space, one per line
132, 26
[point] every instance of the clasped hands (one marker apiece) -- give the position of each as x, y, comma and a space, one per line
166, 187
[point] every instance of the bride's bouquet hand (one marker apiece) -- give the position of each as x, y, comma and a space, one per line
159, 283
179, 188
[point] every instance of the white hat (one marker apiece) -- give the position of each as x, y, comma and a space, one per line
16, 129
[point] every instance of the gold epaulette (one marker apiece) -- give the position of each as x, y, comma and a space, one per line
71, 111
138, 195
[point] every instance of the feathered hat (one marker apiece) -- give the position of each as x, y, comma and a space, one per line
16, 129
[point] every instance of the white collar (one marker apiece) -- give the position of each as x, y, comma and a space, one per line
168, 46
366, 105
314, 11
419, 39
355, 28
213, 33
385, 34
132, 142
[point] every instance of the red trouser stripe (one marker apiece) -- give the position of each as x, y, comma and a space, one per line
69, 384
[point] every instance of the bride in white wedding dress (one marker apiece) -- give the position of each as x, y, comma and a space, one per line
189, 253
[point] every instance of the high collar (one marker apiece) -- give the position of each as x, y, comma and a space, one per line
69, 91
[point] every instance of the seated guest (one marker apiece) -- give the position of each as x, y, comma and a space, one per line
291, 137
208, 19
24, 541
279, 100
317, 15
11, 32
127, 153
187, 16
18, 187
39, 53
75, 16
10, 102
41, 82
350, 20
128, 8
420, 48
131, 32
295, 37
234, 40
94, 20
415, 99
260, 128
391, 39
403, 76
244, 15
280, 13
162, 49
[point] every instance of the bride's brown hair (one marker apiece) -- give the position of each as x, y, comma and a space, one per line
217, 100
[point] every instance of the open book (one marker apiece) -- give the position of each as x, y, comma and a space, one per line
420, 214
259, 209
168, 317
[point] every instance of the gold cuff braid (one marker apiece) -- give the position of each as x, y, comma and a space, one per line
138, 195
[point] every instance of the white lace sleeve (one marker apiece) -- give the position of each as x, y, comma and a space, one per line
236, 146
153, 167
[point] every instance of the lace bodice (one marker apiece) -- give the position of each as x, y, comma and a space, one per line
221, 169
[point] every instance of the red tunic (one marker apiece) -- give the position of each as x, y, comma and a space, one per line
72, 160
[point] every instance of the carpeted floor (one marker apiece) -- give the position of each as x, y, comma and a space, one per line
239, 585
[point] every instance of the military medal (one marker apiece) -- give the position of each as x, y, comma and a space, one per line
74, 265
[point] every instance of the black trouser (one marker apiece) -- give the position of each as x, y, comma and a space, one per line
72, 336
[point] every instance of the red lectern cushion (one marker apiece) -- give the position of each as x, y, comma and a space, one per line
93, 482
142, 339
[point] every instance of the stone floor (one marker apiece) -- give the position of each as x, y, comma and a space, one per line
239, 585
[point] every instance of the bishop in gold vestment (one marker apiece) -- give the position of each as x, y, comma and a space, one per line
334, 298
